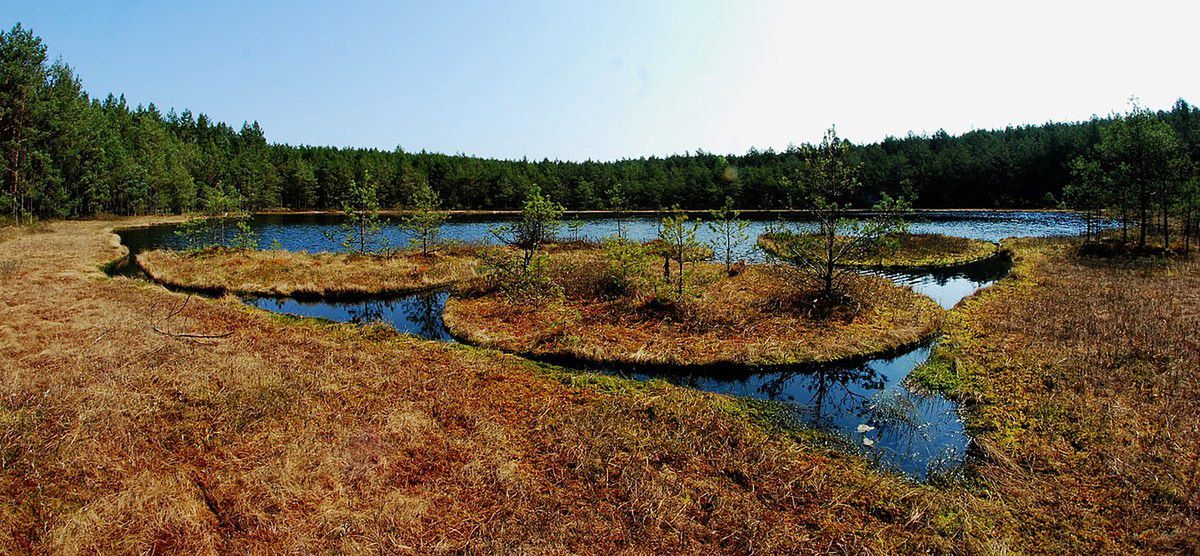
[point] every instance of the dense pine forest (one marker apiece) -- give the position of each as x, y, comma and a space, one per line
67, 154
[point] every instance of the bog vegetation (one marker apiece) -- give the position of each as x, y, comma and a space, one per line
899, 251
663, 303
307, 275
1082, 378
213, 430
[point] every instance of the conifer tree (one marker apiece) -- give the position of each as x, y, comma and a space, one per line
424, 224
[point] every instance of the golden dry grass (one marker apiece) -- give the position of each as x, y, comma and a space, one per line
758, 317
287, 273
912, 251
1083, 377
290, 436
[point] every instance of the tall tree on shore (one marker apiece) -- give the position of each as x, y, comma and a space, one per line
1140, 155
1189, 209
1088, 192
22, 97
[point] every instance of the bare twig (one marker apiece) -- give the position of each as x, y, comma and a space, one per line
186, 335
191, 336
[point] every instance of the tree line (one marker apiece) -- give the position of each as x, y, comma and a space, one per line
66, 154
1143, 172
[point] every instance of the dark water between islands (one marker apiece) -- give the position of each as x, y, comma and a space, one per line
866, 403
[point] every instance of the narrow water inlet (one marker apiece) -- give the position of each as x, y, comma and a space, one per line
417, 314
867, 403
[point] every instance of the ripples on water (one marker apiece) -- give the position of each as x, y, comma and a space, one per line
305, 232
867, 403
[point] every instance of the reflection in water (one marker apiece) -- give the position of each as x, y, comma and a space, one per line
306, 232
866, 403
418, 314
949, 286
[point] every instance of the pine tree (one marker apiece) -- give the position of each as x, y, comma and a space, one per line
362, 232
829, 178
539, 222
424, 224
22, 109
679, 237
729, 232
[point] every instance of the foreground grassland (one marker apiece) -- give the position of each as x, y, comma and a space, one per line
761, 316
908, 251
303, 274
120, 435
1083, 375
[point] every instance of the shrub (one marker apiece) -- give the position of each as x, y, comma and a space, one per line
518, 281
626, 265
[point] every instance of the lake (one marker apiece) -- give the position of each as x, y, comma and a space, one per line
307, 232
867, 403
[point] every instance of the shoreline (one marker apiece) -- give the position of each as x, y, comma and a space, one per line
656, 212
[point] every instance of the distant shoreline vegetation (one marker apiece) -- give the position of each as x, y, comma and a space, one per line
78, 156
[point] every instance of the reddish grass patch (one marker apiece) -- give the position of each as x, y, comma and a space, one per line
289, 436
761, 316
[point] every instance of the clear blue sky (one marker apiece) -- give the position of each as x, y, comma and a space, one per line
603, 80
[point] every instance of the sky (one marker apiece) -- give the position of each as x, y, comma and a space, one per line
577, 80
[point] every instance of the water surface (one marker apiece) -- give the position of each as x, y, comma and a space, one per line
305, 232
417, 314
866, 403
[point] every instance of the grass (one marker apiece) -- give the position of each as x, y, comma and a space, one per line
762, 316
299, 274
911, 251
292, 435
1082, 375
298, 436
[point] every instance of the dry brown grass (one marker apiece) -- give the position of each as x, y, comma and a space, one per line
9, 231
294, 437
759, 317
287, 273
1083, 376
913, 251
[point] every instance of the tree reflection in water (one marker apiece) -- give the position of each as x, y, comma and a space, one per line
419, 314
866, 404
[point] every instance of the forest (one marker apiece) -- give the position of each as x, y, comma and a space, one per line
68, 154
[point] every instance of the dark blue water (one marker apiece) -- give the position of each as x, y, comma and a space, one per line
418, 314
308, 232
866, 403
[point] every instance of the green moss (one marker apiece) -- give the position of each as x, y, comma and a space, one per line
938, 374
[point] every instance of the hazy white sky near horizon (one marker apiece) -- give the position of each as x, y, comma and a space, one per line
604, 80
